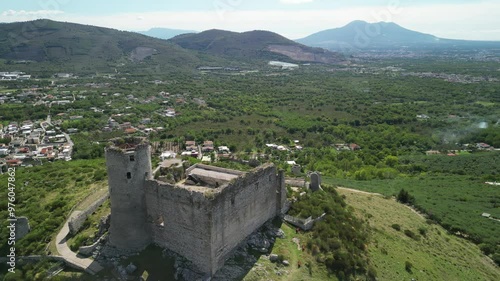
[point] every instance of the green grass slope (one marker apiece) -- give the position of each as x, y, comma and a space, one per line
431, 255
456, 202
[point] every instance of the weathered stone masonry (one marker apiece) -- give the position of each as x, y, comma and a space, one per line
202, 223
127, 174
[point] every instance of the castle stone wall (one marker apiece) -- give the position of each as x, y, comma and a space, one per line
202, 224
240, 209
282, 204
186, 222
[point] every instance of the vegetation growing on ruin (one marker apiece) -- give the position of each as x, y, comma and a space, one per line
339, 240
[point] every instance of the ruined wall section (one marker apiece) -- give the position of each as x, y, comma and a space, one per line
282, 204
214, 168
127, 174
180, 220
76, 223
241, 208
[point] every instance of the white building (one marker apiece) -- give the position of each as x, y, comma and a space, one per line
167, 155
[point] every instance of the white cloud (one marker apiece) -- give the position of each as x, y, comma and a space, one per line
23, 13
296, 1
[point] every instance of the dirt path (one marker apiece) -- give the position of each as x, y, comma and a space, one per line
415, 211
86, 264
297, 241
295, 256
71, 257
359, 191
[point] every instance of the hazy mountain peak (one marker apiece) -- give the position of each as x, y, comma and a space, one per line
356, 23
363, 35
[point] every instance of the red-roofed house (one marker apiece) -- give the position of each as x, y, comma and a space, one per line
14, 162
354, 147
130, 130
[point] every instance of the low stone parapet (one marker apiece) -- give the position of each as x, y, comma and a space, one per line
304, 224
88, 250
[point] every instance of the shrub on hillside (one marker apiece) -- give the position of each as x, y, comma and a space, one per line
422, 231
371, 273
487, 248
396, 227
405, 197
411, 234
408, 266
496, 258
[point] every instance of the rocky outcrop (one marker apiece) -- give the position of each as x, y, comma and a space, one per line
301, 54
141, 53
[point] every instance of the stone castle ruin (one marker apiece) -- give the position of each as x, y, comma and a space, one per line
203, 217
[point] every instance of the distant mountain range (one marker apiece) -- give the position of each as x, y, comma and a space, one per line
63, 46
165, 33
360, 35
76, 47
253, 45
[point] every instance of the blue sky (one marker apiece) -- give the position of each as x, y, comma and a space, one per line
460, 19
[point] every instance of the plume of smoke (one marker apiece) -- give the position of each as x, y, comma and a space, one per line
483, 125
455, 135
